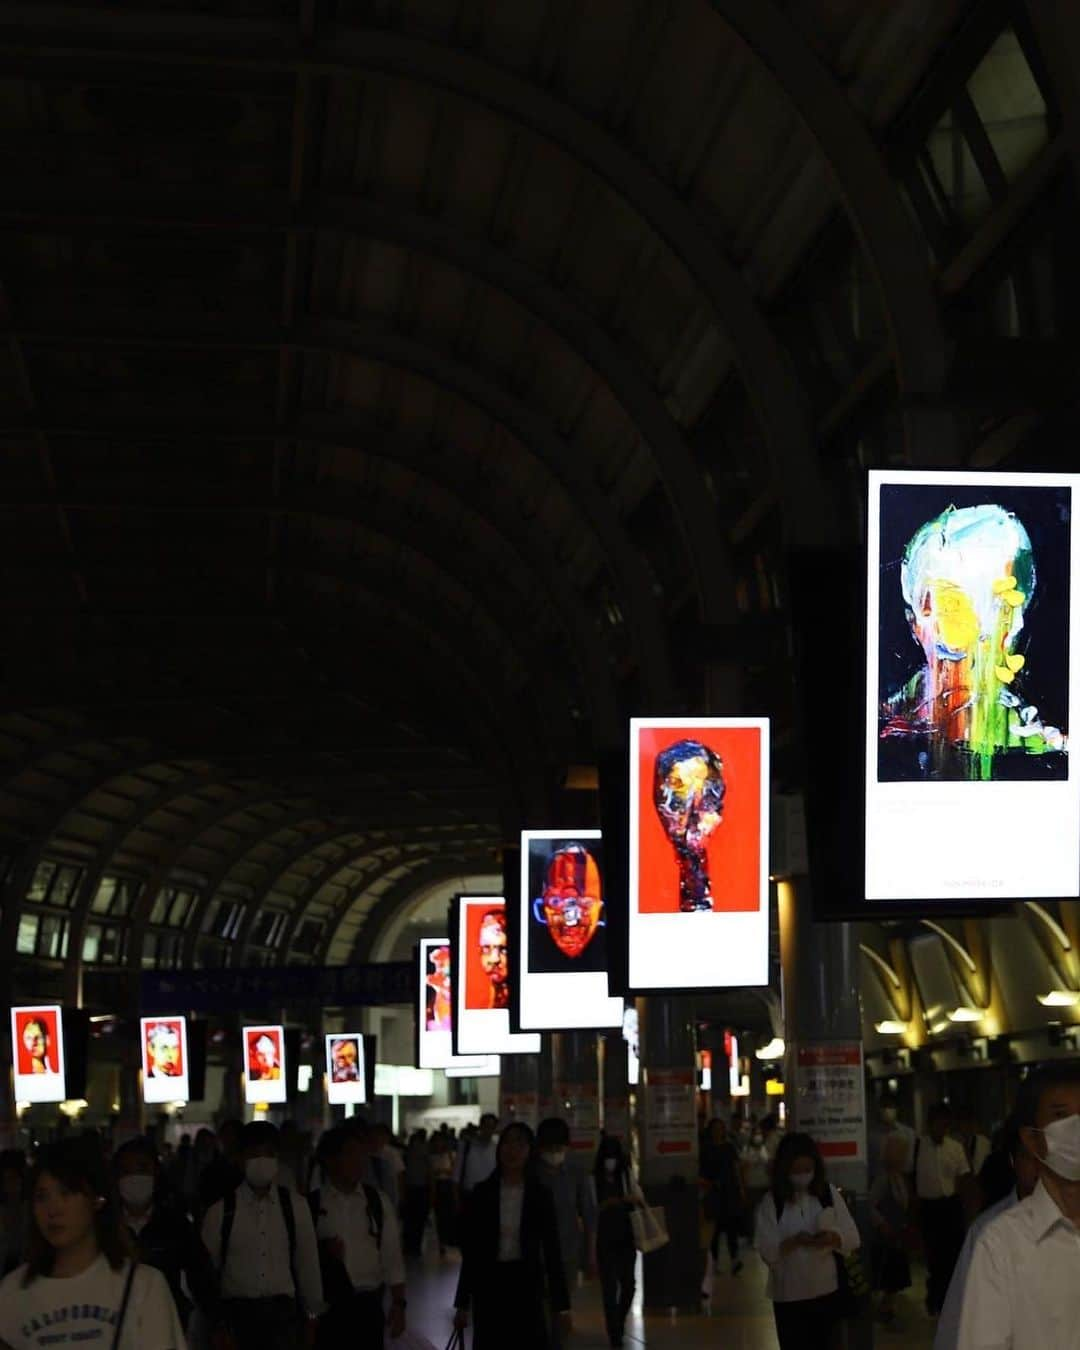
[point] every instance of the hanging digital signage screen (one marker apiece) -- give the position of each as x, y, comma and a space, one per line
264, 1065
698, 873
164, 1059
481, 980
971, 687
562, 970
346, 1080
37, 1043
434, 1012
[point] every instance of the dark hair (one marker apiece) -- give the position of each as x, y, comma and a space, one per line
610, 1146
939, 1111
490, 1115
552, 1132
78, 1165
794, 1146
515, 1127
1034, 1087
259, 1134
140, 1147
13, 1160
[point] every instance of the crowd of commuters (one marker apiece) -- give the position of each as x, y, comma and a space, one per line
248, 1237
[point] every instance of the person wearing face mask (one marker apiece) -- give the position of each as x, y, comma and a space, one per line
162, 1234
892, 1127
80, 1285
616, 1255
1022, 1290
261, 1242
573, 1195
942, 1179
802, 1224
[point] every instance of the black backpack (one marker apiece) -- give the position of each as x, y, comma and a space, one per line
228, 1218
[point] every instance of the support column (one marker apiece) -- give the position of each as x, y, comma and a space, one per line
616, 1087
519, 1090
545, 1079
577, 1083
669, 1149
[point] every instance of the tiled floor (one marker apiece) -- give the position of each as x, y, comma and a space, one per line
739, 1317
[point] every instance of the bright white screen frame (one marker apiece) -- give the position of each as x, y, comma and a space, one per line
158, 1091
40, 1087
435, 1049
483, 1031
353, 1092
718, 950
559, 1001
943, 815
274, 1092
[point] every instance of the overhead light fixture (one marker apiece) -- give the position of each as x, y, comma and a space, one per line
890, 1027
774, 1050
964, 1014
1060, 998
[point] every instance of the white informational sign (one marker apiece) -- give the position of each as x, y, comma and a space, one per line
564, 949
670, 1112
434, 1012
346, 1075
37, 1053
830, 1098
698, 903
164, 1059
264, 1065
971, 687
482, 998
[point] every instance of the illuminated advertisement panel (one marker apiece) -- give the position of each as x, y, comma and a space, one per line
698, 914
435, 1009
971, 687
481, 964
164, 1059
345, 1075
37, 1043
563, 933
264, 1065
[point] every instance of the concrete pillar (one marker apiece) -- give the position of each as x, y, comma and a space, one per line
545, 1078
519, 1090
615, 1108
576, 1071
667, 1124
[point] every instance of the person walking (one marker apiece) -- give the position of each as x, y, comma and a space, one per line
442, 1185
417, 1205
616, 1255
14, 1211
724, 1198
573, 1196
262, 1244
475, 1158
512, 1277
890, 1214
80, 1273
802, 1224
941, 1172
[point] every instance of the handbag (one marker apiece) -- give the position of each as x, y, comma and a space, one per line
648, 1224
852, 1286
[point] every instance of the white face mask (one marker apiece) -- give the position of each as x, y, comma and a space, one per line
261, 1172
801, 1180
610, 1164
555, 1159
136, 1190
1063, 1147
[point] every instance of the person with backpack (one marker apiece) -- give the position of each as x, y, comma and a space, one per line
80, 1280
802, 1226
359, 1247
262, 1243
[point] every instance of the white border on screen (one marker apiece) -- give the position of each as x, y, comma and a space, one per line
159, 1090
273, 1093
40, 1087
953, 821
484, 1031
553, 1001
698, 951
487, 1066
341, 1094
435, 1049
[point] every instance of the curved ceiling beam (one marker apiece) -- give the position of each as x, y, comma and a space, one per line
388, 905
896, 252
381, 344
773, 388
400, 225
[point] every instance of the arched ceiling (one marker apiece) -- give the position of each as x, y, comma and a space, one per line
365, 406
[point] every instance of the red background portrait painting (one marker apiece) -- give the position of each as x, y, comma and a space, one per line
179, 1068
734, 847
253, 1037
47, 1018
477, 984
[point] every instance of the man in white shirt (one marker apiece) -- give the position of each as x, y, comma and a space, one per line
476, 1157
360, 1245
262, 1243
940, 1169
890, 1127
1022, 1289
387, 1164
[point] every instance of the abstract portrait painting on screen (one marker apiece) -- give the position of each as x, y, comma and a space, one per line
974, 612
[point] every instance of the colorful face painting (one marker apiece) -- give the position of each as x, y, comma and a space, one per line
968, 578
494, 959
688, 792
437, 980
571, 906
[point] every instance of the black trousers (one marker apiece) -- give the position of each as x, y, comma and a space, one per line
510, 1309
264, 1323
357, 1323
942, 1223
731, 1228
417, 1209
445, 1214
807, 1323
615, 1260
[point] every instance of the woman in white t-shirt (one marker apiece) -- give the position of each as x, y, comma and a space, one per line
802, 1225
79, 1287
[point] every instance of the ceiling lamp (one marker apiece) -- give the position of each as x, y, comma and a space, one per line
774, 1050
890, 1027
1060, 998
964, 1014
